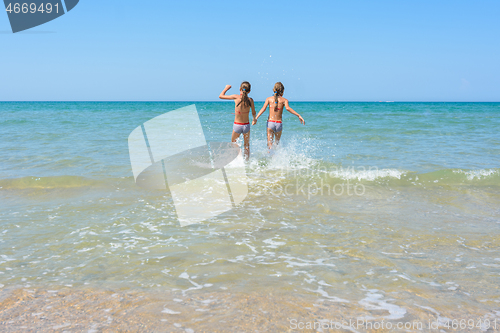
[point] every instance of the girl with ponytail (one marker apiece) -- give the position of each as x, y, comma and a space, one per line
243, 104
276, 104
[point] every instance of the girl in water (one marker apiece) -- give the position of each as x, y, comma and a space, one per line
274, 122
243, 104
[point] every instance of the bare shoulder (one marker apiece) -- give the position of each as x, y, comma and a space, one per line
284, 100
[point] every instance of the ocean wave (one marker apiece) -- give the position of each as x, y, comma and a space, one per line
478, 174
443, 176
293, 164
363, 174
308, 172
335, 174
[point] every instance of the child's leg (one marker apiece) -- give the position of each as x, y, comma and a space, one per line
270, 135
277, 136
235, 136
246, 144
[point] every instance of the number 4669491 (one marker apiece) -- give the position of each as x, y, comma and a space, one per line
32, 8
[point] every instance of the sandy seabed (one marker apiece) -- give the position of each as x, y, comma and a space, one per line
93, 310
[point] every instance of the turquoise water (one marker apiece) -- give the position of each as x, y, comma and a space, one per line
69, 137
416, 238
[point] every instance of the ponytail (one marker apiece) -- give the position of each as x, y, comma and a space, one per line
245, 88
279, 89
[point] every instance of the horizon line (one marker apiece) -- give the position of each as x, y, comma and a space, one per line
215, 101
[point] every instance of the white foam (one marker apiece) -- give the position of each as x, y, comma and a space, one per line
370, 175
317, 262
491, 265
479, 174
273, 244
168, 311
325, 294
441, 320
374, 301
291, 155
405, 277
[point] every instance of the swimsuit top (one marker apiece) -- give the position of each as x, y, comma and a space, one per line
276, 109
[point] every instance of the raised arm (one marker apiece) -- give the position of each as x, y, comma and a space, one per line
261, 112
292, 111
224, 96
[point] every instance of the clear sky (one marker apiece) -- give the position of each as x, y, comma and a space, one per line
162, 50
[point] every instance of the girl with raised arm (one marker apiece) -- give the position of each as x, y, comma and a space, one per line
276, 104
243, 104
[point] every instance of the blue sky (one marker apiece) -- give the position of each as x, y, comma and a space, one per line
321, 50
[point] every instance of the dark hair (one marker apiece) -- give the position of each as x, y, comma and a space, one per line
245, 87
279, 89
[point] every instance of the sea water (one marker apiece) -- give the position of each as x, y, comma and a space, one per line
370, 213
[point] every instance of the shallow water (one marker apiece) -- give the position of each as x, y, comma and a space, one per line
372, 211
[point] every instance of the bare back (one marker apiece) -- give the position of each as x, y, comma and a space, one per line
241, 112
276, 110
